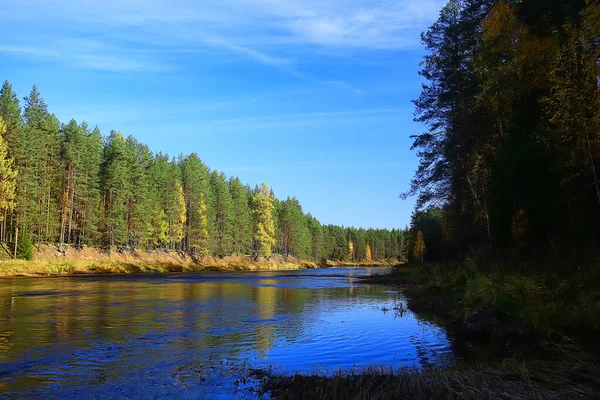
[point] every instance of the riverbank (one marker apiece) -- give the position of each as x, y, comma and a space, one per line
52, 260
512, 379
504, 306
525, 337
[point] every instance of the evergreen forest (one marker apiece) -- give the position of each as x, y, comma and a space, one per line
510, 157
67, 184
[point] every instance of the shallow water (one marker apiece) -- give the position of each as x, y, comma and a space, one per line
186, 336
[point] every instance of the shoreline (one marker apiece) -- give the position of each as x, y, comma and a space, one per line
503, 308
527, 361
50, 261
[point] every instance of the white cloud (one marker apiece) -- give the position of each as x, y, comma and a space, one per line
86, 54
276, 33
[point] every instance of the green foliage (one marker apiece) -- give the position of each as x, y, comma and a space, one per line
510, 87
75, 186
196, 186
241, 231
7, 176
543, 302
81, 156
224, 213
24, 247
116, 190
294, 234
263, 234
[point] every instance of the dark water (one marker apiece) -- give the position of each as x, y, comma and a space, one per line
186, 336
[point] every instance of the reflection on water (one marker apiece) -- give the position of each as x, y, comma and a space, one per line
132, 336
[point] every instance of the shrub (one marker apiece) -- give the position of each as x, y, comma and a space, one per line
481, 291
25, 248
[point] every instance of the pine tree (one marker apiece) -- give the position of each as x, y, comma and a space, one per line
176, 213
74, 186
224, 213
10, 111
293, 232
116, 188
350, 254
196, 184
138, 160
199, 236
24, 249
7, 177
317, 240
242, 217
263, 233
81, 158
166, 202
88, 205
42, 143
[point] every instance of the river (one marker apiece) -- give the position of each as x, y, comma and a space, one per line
187, 335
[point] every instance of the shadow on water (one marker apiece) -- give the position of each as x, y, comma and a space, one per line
188, 335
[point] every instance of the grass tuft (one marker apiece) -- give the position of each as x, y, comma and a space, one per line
511, 380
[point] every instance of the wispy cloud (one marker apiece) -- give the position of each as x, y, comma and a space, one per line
276, 33
281, 122
86, 54
327, 166
312, 115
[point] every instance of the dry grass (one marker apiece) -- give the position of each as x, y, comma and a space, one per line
363, 263
53, 267
512, 380
90, 260
50, 261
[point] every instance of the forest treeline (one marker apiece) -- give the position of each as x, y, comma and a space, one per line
509, 163
65, 183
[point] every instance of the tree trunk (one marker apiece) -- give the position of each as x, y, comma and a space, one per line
71, 212
589, 149
63, 217
16, 238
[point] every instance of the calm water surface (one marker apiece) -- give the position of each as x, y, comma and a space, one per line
185, 336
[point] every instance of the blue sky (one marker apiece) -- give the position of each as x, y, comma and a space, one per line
311, 96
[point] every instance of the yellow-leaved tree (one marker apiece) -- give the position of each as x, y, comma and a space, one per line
368, 252
177, 230
419, 250
350, 250
158, 228
263, 233
199, 235
7, 177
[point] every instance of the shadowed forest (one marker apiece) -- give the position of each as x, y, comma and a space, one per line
508, 184
509, 162
503, 245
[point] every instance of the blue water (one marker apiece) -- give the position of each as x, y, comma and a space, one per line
193, 336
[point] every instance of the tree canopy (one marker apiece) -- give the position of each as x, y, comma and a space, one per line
511, 105
65, 183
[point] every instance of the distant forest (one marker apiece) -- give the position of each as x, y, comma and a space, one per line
67, 184
510, 161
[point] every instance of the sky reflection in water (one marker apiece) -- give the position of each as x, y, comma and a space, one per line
154, 336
